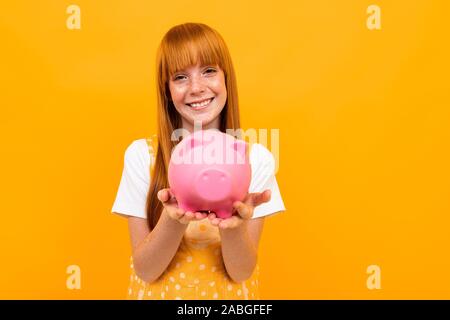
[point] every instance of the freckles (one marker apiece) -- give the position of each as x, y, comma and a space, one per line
179, 90
218, 83
178, 96
218, 86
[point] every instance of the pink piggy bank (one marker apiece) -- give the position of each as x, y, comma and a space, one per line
208, 171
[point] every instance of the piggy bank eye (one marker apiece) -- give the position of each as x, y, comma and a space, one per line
195, 142
190, 144
240, 147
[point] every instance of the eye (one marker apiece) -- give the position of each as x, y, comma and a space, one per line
210, 70
178, 77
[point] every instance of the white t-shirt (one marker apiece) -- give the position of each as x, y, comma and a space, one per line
133, 188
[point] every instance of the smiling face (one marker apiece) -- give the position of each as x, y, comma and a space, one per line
199, 94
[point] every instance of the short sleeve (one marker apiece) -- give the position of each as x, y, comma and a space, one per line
131, 196
263, 178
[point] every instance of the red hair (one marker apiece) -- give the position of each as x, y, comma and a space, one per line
183, 46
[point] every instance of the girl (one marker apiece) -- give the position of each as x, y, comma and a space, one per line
192, 255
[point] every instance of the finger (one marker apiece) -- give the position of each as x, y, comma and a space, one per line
244, 211
189, 215
186, 217
216, 221
176, 213
253, 199
167, 198
266, 196
230, 223
171, 195
224, 224
258, 198
184, 220
163, 195
200, 215
212, 216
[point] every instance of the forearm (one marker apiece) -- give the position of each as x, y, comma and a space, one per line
238, 251
154, 253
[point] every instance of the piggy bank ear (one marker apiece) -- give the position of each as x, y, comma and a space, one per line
240, 147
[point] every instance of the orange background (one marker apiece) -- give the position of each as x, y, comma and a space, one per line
364, 140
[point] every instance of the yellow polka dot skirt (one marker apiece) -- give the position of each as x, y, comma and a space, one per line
196, 272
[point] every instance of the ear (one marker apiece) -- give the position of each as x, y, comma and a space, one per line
240, 147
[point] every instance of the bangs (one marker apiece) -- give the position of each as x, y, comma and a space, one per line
189, 49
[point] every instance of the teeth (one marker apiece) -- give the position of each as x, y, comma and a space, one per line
204, 103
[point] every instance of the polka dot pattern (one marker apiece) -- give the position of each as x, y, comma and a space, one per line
202, 278
197, 270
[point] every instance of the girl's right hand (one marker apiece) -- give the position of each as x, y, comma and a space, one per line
170, 205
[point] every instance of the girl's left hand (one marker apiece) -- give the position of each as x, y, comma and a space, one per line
244, 210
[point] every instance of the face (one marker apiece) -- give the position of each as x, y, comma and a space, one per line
199, 94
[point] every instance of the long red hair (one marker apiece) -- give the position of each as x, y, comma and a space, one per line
182, 46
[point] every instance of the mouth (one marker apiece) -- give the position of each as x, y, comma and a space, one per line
201, 105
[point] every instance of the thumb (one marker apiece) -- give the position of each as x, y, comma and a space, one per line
164, 195
259, 198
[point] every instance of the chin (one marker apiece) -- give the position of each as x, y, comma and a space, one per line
206, 120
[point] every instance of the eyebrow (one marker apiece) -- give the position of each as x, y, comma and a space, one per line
202, 66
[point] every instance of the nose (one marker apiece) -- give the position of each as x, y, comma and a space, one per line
197, 85
213, 184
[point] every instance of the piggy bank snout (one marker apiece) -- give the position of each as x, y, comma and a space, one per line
213, 184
